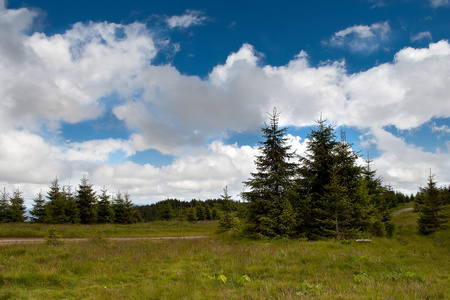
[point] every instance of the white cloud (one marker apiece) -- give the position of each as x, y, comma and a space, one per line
190, 18
95, 150
361, 38
406, 166
444, 129
425, 35
439, 3
406, 93
61, 78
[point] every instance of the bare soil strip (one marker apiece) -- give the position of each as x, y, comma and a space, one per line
37, 240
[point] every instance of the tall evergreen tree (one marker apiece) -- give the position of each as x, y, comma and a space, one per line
105, 213
4, 207
86, 202
268, 206
432, 215
226, 221
56, 204
17, 207
124, 211
38, 211
316, 174
71, 210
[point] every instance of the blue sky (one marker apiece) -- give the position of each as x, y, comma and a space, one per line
167, 98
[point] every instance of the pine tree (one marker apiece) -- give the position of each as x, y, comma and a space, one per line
133, 215
166, 212
432, 216
38, 211
4, 207
71, 211
86, 202
105, 213
17, 207
191, 214
226, 221
56, 205
316, 174
274, 178
124, 211
200, 211
119, 209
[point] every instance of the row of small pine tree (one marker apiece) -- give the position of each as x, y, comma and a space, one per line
62, 206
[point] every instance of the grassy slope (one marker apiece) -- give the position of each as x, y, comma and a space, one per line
408, 266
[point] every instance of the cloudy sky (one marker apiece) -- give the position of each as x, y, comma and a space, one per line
167, 98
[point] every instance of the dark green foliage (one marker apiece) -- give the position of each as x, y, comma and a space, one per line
86, 201
226, 221
166, 212
200, 212
72, 210
327, 196
124, 210
191, 215
432, 215
268, 209
38, 211
4, 207
105, 213
56, 205
17, 207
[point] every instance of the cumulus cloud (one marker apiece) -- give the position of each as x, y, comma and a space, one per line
406, 93
62, 77
69, 77
190, 18
406, 166
363, 39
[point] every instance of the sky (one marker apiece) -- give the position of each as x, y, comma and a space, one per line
166, 99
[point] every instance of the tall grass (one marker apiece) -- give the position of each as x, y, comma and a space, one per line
408, 266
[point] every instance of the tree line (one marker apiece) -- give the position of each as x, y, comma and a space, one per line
63, 206
322, 194
193, 210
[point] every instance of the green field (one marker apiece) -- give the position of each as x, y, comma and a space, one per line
407, 266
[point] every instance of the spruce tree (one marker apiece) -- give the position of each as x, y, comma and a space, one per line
56, 204
17, 207
432, 215
119, 209
4, 207
38, 211
71, 211
166, 213
105, 213
191, 214
226, 221
86, 202
316, 175
269, 212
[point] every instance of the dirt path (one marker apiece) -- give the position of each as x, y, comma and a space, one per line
402, 211
38, 240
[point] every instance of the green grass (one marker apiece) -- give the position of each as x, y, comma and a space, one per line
174, 228
408, 266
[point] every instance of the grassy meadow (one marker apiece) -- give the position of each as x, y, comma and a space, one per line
407, 266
